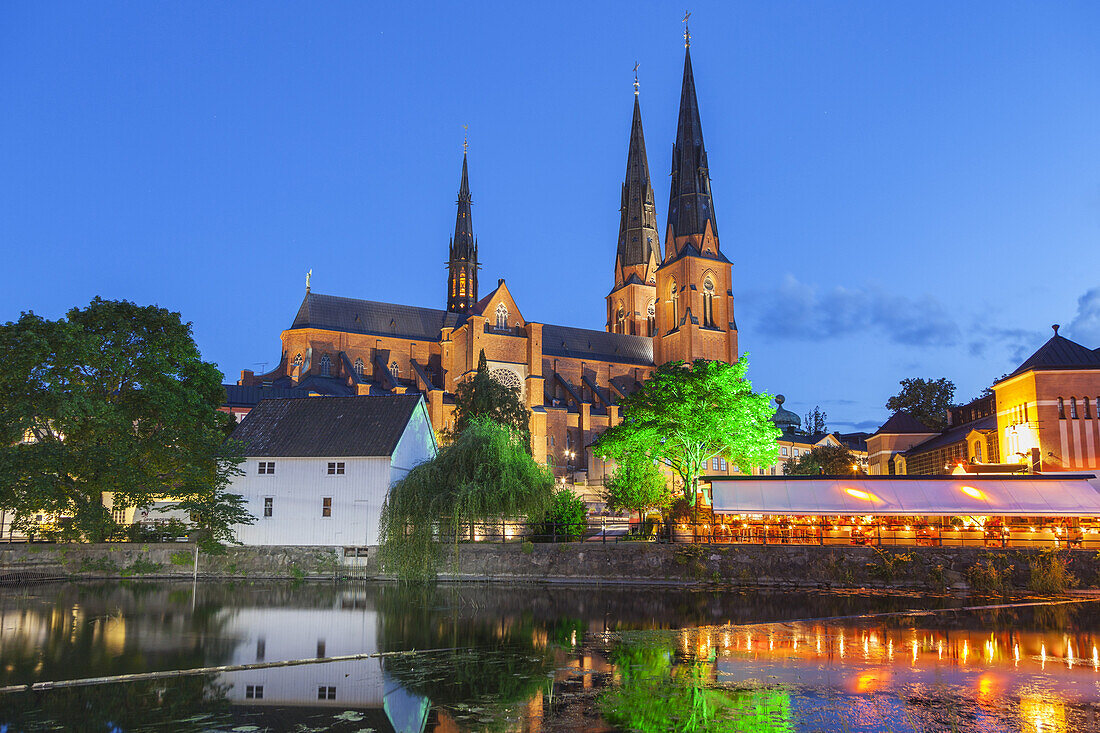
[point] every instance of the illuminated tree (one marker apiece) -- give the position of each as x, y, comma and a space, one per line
830, 460
637, 486
687, 414
483, 396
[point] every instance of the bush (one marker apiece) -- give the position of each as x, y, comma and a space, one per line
990, 576
888, 565
1050, 573
182, 558
141, 566
566, 519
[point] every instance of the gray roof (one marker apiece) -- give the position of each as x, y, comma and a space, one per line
329, 426
352, 315
581, 343
1060, 353
237, 395
953, 435
901, 422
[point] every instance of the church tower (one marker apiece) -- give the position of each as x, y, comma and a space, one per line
631, 304
462, 264
695, 280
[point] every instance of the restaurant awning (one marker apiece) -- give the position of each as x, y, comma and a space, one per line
1062, 496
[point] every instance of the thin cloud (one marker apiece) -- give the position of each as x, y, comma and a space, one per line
1085, 326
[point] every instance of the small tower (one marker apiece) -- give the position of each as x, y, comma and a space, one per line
462, 264
695, 280
631, 304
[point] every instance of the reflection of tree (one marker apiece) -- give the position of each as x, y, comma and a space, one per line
137, 706
654, 694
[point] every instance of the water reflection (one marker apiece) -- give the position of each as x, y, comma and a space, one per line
543, 659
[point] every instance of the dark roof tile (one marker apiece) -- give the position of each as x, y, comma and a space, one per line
1060, 353
581, 343
351, 315
902, 422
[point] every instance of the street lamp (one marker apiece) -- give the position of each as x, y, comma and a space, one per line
569, 456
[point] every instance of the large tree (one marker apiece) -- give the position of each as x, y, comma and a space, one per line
925, 399
486, 474
687, 414
113, 398
483, 396
830, 460
637, 485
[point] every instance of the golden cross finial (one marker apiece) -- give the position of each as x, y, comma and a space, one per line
465, 139
687, 33
636, 65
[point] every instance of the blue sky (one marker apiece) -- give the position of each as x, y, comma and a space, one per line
905, 189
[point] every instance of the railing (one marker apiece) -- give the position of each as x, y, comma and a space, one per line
611, 530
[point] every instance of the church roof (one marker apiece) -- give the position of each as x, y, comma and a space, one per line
581, 343
326, 426
237, 395
1060, 353
901, 422
334, 313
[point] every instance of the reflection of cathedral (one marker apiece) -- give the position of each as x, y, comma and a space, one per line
663, 306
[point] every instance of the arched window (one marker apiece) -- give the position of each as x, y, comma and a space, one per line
620, 319
359, 367
978, 451
1061, 409
708, 302
502, 316
1088, 413
1073, 408
674, 299
297, 360
651, 318
394, 370
326, 366
462, 284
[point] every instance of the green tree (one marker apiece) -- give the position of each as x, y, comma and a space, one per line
830, 460
486, 474
566, 518
687, 414
113, 398
483, 396
814, 421
637, 486
925, 399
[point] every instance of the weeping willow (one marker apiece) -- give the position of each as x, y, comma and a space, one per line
486, 474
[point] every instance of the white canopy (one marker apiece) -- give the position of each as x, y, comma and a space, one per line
1074, 495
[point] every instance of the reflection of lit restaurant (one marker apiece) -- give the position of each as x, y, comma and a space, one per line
1057, 510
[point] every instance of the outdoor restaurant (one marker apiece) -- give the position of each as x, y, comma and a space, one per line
1052, 510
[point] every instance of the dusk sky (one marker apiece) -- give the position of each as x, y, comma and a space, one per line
905, 189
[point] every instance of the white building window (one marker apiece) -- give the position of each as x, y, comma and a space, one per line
326, 506
254, 692
269, 506
335, 468
326, 693
266, 468
783, 450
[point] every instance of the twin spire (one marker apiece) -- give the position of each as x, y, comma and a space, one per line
462, 264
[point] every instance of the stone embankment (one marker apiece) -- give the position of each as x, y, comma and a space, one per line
929, 568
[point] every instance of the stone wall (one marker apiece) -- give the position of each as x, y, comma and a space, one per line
929, 568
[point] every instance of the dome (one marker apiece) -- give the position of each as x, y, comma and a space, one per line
785, 419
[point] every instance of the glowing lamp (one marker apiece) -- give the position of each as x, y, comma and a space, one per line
861, 495
972, 492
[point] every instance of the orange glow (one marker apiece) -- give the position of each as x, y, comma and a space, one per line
871, 681
972, 492
862, 495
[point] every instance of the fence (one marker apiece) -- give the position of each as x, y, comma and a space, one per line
776, 533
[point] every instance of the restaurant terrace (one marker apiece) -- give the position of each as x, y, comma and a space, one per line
1052, 510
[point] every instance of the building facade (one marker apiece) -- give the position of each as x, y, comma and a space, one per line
675, 305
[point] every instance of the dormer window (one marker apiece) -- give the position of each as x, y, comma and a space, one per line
502, 316
297, 360
359, 367
395, 372
326, 366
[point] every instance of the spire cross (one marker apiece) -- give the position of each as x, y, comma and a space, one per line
465, 139
687, 33
636, 65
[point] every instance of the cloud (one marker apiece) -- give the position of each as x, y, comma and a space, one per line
864, 426
799, 311
1085, 326
1020, 343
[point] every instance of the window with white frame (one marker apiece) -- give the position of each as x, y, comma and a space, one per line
326, 692
266, 468
335, 468
326, 506
254, 692
269, 506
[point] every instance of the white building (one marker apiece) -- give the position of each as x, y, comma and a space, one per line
317, 470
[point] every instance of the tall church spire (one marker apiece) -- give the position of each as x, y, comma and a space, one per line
638, 239
462, 264
690, 208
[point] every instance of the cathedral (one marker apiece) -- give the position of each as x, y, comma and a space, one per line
675, 304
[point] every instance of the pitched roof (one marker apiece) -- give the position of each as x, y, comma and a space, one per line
334, 313
329, 426
581, 343
902, 422
956, 434
1060, 353
237, 395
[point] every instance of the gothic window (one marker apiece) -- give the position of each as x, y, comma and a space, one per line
297, 360
394, 370
650, 317
674, 299
359, 367
620, 319
326, 366
502, 316
1073, 408
708, 302
508, 378
1061, 409
462, 284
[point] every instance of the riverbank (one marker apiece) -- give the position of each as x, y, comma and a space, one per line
789, 566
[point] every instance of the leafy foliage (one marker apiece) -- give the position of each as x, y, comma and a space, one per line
485, 474
483, 396
637, 486
567, 517
113, 398
925, 399
815, 421
829, 460
687, 414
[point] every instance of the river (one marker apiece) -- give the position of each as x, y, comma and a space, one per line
541, 658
